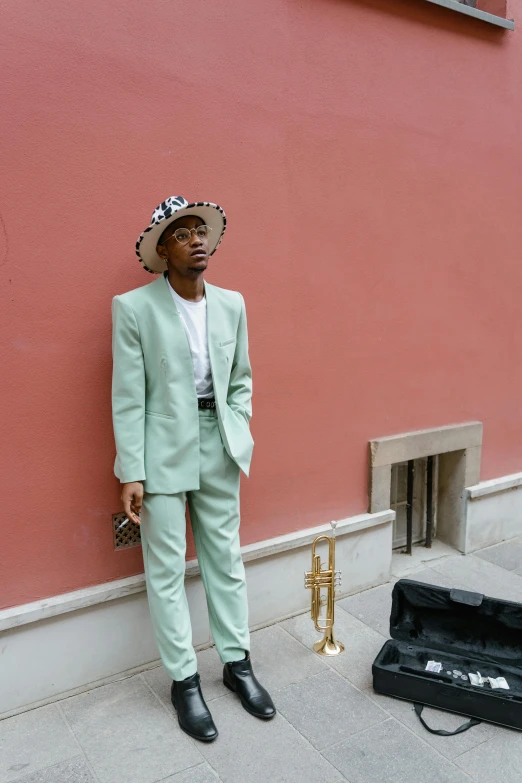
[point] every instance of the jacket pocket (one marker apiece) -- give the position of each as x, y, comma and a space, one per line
161, 415
227, 342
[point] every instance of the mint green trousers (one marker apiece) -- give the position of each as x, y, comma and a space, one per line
215, 519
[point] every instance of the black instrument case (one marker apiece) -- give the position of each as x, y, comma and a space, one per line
466, 632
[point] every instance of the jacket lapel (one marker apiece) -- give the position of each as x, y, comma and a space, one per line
167, 314
164, 302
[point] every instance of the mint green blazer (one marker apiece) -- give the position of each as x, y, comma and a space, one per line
154, 402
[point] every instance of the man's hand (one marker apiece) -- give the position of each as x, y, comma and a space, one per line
132, 498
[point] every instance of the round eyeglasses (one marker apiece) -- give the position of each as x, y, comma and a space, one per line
182, 235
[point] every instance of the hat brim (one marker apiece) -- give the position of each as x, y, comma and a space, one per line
211, 214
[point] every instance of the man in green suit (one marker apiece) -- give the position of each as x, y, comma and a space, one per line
181, 401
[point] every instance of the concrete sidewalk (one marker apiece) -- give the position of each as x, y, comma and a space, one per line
330, 726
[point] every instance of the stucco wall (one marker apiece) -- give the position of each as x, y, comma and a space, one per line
368, 157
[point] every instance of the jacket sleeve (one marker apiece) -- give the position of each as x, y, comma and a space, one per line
239, 396
128, 394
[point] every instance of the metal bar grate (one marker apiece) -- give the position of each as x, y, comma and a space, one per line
127, 535
429, 502
409, 508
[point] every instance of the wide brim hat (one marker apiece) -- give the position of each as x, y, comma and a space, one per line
169, 210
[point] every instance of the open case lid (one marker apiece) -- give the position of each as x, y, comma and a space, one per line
456, 621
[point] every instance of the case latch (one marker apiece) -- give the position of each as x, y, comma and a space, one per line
465, 597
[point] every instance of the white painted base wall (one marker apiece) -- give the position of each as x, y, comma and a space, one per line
69, 643
492, 512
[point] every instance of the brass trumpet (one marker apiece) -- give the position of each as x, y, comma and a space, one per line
327, 578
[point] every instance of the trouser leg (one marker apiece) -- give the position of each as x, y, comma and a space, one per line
163, 535
215, 519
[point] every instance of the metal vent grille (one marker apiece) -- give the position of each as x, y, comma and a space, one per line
127, 535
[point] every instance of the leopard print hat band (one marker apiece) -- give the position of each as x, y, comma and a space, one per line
171, 209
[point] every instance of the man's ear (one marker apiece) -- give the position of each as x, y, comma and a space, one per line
162, 252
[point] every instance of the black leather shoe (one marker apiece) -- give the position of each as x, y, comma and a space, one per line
193, 714
240, 678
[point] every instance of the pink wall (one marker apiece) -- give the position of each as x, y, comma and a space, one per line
369, 160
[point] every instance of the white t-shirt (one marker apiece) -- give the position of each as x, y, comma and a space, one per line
194, 319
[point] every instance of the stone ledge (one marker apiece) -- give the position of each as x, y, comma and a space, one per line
495, 485
453, 5
420, 443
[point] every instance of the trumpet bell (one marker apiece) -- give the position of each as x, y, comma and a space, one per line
328, 647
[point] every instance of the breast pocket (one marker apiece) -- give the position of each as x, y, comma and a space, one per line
226, 350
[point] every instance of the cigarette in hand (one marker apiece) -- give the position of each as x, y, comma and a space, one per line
124, 522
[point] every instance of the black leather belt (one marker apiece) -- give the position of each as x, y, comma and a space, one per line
206, 403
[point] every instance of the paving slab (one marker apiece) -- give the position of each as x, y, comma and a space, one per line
371, 607
507, 555
202, 773
326, 709
499, 759
34, 740
279, 659
430, 577
158, 681
389, 753
128, 735
402, 564
361, 644
450, 747
73, 771
251, 750
476, 574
